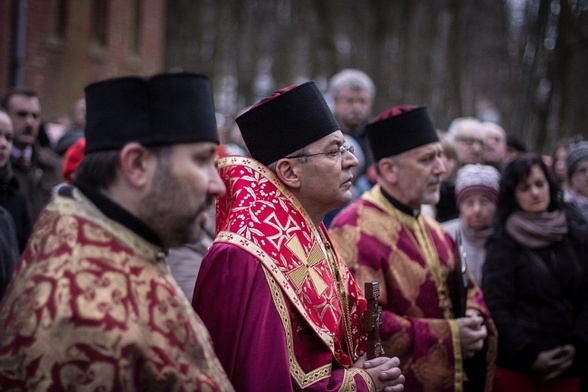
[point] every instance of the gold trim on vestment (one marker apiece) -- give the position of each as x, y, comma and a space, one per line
459, 374
349, 383
303, 379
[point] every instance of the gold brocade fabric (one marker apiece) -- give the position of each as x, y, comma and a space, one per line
94, 307
414, 259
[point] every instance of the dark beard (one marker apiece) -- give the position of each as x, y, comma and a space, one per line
162, 209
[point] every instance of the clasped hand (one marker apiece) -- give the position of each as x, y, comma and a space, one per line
554, 362
384, 371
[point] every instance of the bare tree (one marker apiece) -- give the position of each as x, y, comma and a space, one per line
459, 57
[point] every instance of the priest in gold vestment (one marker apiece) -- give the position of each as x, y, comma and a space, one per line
384, 236
93, 305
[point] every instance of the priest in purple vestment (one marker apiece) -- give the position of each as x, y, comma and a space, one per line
283, 310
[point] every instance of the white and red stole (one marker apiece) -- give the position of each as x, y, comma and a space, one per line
261, 216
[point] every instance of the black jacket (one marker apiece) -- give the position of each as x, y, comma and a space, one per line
14, 200
8, 250
537, 298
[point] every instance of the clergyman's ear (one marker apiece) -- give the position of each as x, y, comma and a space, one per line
388, 170
287, 171
135, 164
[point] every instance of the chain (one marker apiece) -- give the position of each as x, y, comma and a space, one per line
341, 295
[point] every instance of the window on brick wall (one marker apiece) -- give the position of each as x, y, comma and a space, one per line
100, 22
136, 27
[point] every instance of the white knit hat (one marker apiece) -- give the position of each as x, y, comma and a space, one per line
482, 179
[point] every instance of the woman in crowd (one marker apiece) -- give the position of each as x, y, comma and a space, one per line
476, 192
534, 283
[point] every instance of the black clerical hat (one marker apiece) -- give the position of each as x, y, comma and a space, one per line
400, 129
160, 110
290, 119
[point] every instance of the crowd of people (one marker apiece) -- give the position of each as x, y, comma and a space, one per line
144, 248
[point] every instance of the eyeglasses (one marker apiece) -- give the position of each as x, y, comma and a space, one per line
333, 153
470, 141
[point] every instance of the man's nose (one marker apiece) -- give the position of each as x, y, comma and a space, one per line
348, 159
479, 146
216, 186
440, 167
31, 120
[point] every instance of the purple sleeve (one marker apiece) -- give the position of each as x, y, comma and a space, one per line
233, 299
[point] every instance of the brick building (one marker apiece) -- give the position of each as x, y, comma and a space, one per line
59, 46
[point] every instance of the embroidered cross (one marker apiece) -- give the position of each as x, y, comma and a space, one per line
309, 261
282, 230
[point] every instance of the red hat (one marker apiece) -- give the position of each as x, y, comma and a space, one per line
73, 157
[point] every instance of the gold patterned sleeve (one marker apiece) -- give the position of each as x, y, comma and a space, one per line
350, 383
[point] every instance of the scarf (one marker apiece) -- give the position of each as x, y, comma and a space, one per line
474, 243
537, 230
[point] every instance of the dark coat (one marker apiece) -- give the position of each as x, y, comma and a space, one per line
38, 180
538, 298
15, 202
9, 253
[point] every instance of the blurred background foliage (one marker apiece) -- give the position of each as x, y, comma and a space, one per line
522, 63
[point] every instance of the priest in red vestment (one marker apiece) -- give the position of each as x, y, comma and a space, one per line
434, 316
93, 305
283, 310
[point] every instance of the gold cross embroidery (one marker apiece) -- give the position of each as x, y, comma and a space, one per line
309, 261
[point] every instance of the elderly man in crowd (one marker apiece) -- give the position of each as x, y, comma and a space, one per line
495, 153
353, 93
470, 139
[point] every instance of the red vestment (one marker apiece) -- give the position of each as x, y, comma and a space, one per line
283, 310
93, 306
413, 259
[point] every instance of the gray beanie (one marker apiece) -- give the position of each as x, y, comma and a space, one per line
482, 179
577, 152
